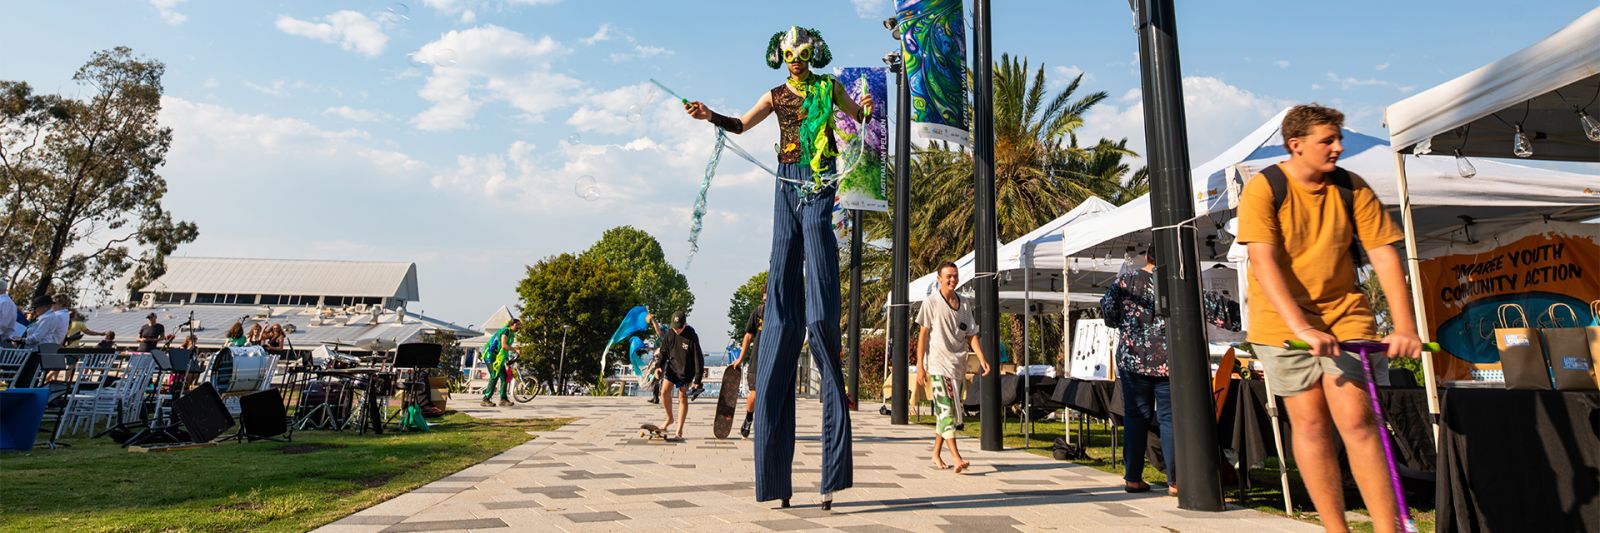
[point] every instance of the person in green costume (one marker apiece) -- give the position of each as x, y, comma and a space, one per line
499, 354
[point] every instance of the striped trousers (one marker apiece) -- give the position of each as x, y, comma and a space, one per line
802, 301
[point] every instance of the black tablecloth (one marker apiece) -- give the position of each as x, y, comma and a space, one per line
1517, 460
1246, 428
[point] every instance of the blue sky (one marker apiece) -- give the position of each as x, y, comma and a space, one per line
451, 132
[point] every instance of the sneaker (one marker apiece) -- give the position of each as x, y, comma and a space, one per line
505, 403
486, 403
744, 429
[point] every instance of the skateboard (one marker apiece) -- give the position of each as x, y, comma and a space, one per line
727, 402
1221, 381
651, 432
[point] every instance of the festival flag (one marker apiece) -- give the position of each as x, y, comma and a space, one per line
634, 322
865, 184
933, 44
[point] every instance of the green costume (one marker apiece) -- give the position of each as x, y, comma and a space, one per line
498, 355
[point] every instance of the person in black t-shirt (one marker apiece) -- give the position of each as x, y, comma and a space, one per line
151, 333
679, 362
749, 349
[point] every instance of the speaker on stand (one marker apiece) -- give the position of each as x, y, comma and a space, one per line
202, 413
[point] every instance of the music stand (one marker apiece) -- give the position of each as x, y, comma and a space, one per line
419, 357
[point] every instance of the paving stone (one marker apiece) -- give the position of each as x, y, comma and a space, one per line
515, 504
604, 516
676, 504
370, 520
443, 525
792, 524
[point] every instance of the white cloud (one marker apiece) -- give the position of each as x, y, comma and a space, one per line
1282, 63
168, 9
352, 31
282, 88
469, 17
602, 34
640, 52
1217, 114
211, 83
1351, 82
1382, 66
202, 129
872, 9
357, 115
490, 64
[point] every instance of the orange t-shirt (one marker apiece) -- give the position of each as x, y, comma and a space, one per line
1312, 227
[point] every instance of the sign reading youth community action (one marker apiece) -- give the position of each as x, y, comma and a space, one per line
934, 49
1536, 266
865, 184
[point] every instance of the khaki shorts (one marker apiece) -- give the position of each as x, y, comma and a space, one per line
1295, 371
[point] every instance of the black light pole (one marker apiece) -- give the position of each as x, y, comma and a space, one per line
853, 381
561, 365
991, 438
1194, 429
900, 266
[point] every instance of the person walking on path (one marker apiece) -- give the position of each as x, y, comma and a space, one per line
948, 330
499, 353
1130, 306
804, 271
1301, 221
679, 362
747, 357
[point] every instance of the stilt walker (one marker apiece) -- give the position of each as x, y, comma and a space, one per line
803, 278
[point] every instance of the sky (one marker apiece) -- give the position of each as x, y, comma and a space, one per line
455, 133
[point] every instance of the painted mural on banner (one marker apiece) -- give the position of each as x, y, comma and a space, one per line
865, 184
933, 44
1536, 266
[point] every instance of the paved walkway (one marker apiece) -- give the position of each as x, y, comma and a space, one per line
597, 475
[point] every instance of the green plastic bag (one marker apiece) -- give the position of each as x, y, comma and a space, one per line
413, 419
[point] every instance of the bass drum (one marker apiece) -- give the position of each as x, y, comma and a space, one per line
240, 369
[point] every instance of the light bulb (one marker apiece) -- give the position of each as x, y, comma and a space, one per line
1520, 146
1464, 166
1591, 127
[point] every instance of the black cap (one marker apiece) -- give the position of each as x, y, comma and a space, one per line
678, 319
43, 301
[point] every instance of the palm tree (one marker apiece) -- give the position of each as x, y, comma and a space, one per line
1040, 173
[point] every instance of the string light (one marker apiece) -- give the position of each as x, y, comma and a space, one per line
1591, 127
1520, 146
1464, 166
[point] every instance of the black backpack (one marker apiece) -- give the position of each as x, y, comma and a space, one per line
1341, 181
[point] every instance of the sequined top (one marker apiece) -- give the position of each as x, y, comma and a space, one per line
791, 111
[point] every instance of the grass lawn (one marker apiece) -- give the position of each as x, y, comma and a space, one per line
1265, 494
95, 485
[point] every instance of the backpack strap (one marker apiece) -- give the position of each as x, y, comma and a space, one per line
1341, 181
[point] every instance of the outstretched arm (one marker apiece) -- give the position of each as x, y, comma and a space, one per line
850, 107
754, 116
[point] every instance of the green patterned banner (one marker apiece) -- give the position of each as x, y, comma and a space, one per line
934, 45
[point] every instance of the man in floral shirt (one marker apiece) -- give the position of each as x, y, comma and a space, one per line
1130, 306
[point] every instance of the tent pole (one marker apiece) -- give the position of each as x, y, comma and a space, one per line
1412, 267
1027, 316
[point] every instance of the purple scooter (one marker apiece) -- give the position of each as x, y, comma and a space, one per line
1363, 348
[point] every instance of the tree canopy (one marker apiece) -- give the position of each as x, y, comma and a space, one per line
580, 295
654, 282
83, 195
745, 299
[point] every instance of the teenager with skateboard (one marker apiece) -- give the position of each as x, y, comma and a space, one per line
948, 330
748, 349
679, 361
803, 281
1301, 221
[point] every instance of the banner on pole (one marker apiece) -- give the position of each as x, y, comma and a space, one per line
866, 183
1536, 266
933, 44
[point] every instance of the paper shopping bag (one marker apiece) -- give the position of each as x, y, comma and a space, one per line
1593, 333
1566, 346
1521, 351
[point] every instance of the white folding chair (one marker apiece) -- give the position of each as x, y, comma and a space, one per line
11, 361
122, 400
87, 379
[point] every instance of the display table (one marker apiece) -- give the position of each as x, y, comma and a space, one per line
21, 410
1515, 460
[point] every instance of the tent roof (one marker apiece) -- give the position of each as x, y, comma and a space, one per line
185, 275
1008, 256
1538, 86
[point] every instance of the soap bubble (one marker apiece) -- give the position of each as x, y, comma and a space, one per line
587, 188
444, 57
635, 114
395, 14
575, 139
